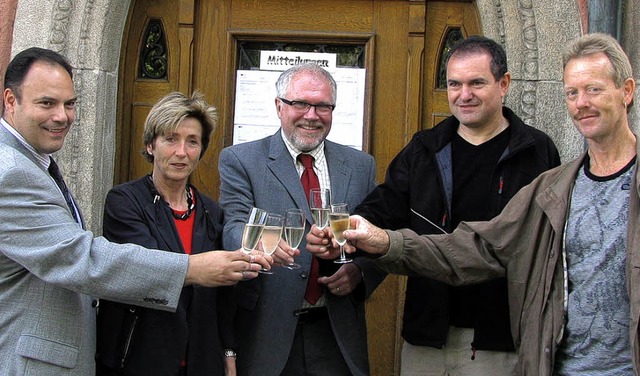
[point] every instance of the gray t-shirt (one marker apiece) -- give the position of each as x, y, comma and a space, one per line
596, 340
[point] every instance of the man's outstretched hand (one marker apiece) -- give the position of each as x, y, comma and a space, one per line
361, 235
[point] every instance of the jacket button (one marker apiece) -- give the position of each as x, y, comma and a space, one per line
304, 275
547, 350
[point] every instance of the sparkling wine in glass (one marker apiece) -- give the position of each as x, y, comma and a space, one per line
271, 236
253, 229
294, 222
320, 205
339, 222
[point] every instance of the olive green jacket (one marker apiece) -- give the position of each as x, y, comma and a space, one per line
525, 243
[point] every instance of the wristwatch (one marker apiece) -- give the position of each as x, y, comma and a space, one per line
230, 354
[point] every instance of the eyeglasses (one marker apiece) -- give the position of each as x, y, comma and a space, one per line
321, 109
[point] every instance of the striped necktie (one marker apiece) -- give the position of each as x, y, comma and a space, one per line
54, 171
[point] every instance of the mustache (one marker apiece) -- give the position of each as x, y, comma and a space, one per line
315, 124
585, 113
471, 102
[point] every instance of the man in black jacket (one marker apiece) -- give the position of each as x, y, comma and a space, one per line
466, 168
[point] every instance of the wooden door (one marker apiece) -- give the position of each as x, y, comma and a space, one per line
202, 39
156, 59
446, 22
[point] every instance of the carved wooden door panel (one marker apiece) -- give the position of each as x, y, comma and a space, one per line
446, 22
156, 59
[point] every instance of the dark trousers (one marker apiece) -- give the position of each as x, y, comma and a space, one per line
315, 351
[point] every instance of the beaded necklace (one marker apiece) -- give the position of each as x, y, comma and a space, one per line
190, 206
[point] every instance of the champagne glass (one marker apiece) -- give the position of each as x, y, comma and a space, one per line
253, 229
320, 205
339, 222
271, 236
293, 231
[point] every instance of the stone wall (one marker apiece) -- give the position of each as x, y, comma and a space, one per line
533, 33
629, 40
89, 33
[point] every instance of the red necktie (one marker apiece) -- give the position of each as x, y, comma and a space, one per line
309, 180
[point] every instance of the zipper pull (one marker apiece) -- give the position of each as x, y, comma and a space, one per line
501, 185
444, 219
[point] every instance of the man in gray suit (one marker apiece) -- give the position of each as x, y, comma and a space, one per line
278, 331
50, 267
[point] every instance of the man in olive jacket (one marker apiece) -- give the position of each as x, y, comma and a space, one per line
567, 243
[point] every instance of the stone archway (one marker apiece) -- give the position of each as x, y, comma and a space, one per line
89, 33
533, 34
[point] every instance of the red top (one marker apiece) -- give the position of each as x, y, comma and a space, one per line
185, 227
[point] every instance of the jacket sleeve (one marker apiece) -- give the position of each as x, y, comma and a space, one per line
475, 251
42, 237
236, 196
372, 274
387, 204
227, 308
438, 257
226, 304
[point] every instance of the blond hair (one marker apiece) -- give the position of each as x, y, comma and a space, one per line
166, 115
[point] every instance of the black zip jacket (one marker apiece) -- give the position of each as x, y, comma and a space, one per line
416, 194
140, 341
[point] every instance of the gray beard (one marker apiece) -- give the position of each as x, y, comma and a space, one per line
303, 147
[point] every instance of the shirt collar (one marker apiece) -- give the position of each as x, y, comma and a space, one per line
42, 158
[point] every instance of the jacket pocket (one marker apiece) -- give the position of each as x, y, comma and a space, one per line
128, 338
48, 351
116, 330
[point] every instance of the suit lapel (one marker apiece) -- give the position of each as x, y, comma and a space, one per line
9, 139
339, 172
280, 163
163, 221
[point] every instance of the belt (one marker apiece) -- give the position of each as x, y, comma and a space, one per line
309, 315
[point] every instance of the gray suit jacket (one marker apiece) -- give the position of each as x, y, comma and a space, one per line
262, 174
50, 267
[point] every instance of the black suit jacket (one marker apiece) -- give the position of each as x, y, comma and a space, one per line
140, 341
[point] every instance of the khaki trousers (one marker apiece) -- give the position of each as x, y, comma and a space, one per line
455, 358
